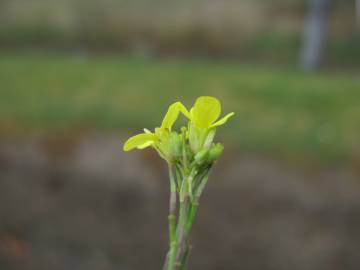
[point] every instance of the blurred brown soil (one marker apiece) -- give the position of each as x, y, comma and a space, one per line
81, 203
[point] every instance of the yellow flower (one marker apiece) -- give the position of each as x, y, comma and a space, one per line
163, 140
206, 111
203, 122
203, 118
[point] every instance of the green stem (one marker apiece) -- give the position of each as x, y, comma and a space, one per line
182, 232
190, 181
179, 175
177, 246
165, 266
185, 260
200, 188
189, 196
172, 216
192, 213
172, 206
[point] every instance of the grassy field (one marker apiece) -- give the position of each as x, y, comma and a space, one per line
279, 112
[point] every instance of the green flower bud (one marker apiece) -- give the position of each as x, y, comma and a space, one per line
202, 156
215, 152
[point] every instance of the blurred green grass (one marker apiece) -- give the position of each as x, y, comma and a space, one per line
279, 111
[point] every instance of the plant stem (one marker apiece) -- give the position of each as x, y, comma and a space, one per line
192, 213
185, 260
182, 232
172, 206
178, 245
165, 266
172, 215
179, 233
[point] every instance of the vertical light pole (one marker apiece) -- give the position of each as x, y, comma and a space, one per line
314, 35
357, 4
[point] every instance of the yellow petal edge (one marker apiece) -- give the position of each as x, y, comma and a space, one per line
140, 141
223, 120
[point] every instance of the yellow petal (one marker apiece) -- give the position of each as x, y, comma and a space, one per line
223, 120
183, 110
172, 114
205, 111
147, 144
139, 141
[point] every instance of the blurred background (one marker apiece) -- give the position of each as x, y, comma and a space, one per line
78, 77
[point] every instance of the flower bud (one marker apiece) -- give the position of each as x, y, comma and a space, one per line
202, 156
215, 152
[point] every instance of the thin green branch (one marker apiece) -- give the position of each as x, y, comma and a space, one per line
172, 206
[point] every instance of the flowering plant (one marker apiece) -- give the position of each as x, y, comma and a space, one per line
190, 155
